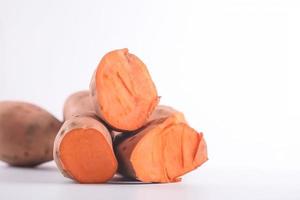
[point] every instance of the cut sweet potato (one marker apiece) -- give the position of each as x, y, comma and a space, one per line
83, 151
78, 103
162, 111
123, 93
163, 151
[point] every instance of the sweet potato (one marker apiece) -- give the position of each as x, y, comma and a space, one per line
78, 103
123, 92
27, 133
163, 151
83, 150
163, 111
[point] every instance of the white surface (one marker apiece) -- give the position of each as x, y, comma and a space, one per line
204, 184
231, 66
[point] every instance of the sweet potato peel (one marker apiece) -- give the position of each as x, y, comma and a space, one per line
122, 90
163, 151
27, 134
78, 103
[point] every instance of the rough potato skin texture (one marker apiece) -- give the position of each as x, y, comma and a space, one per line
78, 103
27, 134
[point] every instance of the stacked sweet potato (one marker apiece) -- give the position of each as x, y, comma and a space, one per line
118, 126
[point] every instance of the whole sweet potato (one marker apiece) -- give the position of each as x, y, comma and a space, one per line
27, 133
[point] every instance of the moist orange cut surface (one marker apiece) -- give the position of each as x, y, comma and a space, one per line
126, 93
87, 156
166, 154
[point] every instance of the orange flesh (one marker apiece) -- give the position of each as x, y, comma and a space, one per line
126, 95
165, 155
86, 155
162, 152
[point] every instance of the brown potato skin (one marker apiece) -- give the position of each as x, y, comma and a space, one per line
78, 103
27, 134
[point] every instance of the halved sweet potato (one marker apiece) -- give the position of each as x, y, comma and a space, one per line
163, 151
123, 93
83, 150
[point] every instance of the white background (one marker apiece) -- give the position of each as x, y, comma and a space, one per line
233, 67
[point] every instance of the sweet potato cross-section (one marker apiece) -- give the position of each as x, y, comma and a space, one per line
163, 151
123, 91
83, 151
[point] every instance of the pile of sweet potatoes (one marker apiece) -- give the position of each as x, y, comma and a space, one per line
114, 127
